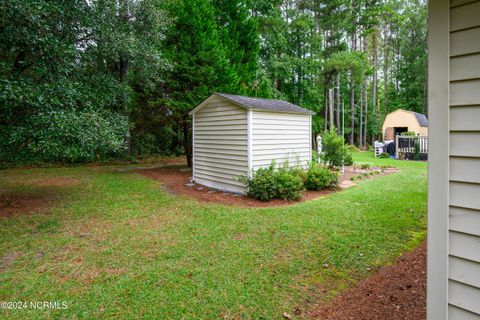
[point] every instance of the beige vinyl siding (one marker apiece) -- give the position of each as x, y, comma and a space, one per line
464, 173
220, 144
280, 137
457, 313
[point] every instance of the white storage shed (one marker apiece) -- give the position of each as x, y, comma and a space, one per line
236, 135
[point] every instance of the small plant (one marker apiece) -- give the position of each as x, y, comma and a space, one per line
416, 150
319, 177
384, 155
365, 166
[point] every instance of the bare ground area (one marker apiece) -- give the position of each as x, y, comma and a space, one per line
178, 181
25, 203
34, 201
396, 292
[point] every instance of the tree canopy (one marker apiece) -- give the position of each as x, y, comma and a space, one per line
90, 80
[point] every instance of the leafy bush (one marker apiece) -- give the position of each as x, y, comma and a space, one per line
348, 160
384, 155
315, 156
319, 177
65, 136
334, 150
289, 184
262, 184
416, 150
270, 183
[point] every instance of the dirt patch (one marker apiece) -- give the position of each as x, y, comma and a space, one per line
24, 203
396, 292
7, 259
55, 182
178, 181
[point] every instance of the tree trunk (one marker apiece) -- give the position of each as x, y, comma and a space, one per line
331, 101
325, 110
352, 111
366, 113
360, 120
375, 65
365, 123
338, 104
352, 94
123, 68
187, 145
385, 67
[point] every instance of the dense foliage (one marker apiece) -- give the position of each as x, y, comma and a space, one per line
289, 183
66, 136
148, 62
276, 183
318, 178
335, 152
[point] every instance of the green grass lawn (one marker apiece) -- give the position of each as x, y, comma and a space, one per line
115, 245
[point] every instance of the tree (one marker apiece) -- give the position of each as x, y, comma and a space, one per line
201, 64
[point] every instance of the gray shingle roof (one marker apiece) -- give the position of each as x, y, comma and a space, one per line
265, 104
422, 119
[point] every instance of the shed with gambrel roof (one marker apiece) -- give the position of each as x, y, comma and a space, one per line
400, 121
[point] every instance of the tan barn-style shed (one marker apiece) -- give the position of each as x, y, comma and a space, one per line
236, 135
402, 121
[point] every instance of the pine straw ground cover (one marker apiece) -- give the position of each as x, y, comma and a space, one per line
113, 244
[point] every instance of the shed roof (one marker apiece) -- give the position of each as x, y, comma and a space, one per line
258, 104
422, 119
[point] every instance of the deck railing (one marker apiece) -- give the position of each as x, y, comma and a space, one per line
406, 145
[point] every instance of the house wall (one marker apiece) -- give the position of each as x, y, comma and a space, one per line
280, 137
401, 118
464, 173
454, 169
220, 145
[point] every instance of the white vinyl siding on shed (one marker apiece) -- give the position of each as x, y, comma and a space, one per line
464, 173
280, 137
220, 145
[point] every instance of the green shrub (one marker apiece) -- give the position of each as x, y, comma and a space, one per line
334, 150
289, 184
271, 183
319, 177
315, 156
416, 150
384, 155
261, 185
348, 159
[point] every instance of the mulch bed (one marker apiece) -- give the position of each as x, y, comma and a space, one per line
177, 181
396, 292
